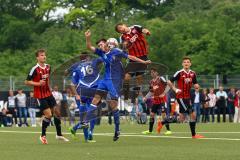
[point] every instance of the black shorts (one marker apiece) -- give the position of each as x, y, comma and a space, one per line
48, 102
184, 105
135, 68
158, 108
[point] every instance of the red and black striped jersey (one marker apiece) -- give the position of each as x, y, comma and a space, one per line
157, 87
136, 42
36, 74
185, 80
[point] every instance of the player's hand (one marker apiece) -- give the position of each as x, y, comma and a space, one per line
42, 82
146, 31
148, 62
178, 91
88, 33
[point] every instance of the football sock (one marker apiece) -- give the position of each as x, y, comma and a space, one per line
116, 120
57, 123
45, 124
151, 123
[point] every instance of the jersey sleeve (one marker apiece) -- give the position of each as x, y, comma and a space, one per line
75, 78
99, 52
31, 74
175, 77
138, 28
122, 54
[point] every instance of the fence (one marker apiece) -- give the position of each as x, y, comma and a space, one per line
205, 81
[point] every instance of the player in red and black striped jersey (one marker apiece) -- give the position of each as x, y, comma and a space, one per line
39, 78
133, 39
185, 79
158, 89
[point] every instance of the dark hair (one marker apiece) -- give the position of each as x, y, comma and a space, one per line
101, 40
153, 69
116, 27
39, 51
186, 58
84, 55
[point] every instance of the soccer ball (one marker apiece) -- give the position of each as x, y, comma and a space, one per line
112, 43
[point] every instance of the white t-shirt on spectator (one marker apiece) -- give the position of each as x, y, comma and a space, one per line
213, 99
58, 96
21, 100
221, 94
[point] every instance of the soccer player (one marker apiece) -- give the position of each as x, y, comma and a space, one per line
158, 99
113, 75
39, 77
85, 77
133, 39
185, 78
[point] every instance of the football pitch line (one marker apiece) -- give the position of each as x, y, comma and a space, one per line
139, 135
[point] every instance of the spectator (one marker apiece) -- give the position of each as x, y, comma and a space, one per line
230, 102
32, 105
205, 106
237, 107
3, 110
221, 103
212, 103
197, 99
22, 108
57, 95
140, 107
72, 106
12, 107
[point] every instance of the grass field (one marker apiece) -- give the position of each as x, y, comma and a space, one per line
222, 142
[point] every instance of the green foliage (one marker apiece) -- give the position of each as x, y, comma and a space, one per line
206, 30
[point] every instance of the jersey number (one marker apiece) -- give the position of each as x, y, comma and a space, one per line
87, 70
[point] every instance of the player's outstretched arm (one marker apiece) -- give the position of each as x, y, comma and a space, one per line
146, 31
139, 60
88, 41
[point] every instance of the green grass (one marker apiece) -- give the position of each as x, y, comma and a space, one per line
132, 145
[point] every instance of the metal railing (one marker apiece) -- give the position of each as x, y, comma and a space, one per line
205, 81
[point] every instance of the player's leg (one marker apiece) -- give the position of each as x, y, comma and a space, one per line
47, 114
153, 111
115, 111
57, 118
126, 86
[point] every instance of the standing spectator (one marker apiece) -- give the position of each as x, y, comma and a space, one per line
72, 106
197, 99
237, 107
221, 103
3, 118
12, 107
212, 103
32, 105
22, 108
205, 106
57, 95
230, 102
140, 107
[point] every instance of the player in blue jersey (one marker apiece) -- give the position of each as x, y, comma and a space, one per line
113, 75
85, 76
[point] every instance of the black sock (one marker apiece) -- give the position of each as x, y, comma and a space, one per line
192, 127
57, 123
45, 124
151, 123
167, 126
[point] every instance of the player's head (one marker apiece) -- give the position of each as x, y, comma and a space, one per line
154, 72
41, 55
186, 62
102, 44
121, 28
84, 56
112, 43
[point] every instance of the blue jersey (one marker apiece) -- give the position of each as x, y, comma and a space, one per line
86, 73
112, 60
114, 71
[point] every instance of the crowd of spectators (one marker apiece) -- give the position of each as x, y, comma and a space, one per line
21, 109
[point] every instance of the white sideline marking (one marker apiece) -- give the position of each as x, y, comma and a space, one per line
135, 135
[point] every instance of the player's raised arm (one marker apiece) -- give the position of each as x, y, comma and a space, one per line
88, 41
139, 60
146, 31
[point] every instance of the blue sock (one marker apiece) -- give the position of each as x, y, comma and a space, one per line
92, 124
77, 126
116, 120
85, 132
91, 113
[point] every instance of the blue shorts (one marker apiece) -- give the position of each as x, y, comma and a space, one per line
113, 88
